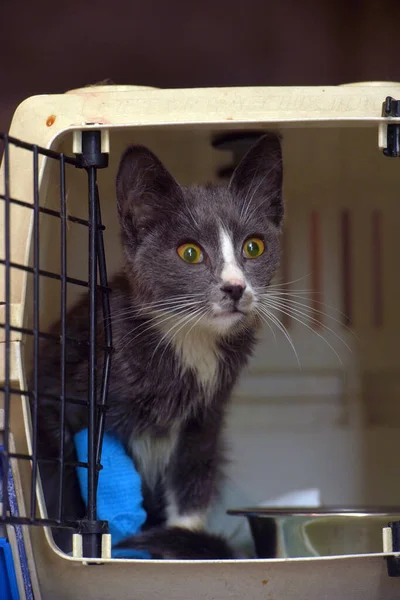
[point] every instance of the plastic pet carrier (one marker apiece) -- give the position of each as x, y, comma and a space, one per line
318, 407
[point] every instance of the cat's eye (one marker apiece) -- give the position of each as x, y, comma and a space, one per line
190, 253
253, 248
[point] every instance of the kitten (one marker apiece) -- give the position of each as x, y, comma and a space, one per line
184, 325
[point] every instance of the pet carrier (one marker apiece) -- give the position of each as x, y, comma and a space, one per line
318, 405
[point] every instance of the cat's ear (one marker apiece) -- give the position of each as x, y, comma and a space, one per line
257, 180
146, 191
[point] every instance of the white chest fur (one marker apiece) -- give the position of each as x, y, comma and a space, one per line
197, 351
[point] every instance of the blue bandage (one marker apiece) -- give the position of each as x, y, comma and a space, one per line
119, 491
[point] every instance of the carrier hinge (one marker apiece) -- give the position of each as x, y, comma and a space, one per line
391, 543
389, 134
92, 147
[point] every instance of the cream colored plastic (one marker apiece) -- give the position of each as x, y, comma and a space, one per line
280, 438
106, 545
387, 539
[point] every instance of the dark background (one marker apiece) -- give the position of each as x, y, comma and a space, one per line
50, 47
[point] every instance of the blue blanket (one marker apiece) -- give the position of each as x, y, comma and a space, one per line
119, 492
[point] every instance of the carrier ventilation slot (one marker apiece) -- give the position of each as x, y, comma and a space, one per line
377, 275
347, 272
316, 270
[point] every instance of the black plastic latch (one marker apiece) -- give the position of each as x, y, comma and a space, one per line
92, 532
393, 562
391, 108
91, 154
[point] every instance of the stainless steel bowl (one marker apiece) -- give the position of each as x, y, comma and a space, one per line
302, 532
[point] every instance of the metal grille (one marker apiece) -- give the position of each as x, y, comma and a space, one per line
90, 159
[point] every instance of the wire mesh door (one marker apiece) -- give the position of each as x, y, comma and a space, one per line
90, 159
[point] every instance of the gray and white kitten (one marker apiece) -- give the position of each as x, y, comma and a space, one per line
184, 325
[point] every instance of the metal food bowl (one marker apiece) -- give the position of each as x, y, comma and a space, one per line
304, 532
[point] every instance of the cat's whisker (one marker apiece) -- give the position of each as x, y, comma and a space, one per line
274, 319
154, 314
151, 324
267, 323
302, 294
286, 299
187, 322
286, 283
173, 299
293, 316
282, 292
162, 310
167, 307
166, 301
181, 323
267, 291
149, 320
191, 317
170, 300
296, 311
161, 303
196, 322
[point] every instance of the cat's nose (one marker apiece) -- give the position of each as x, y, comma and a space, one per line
234, 290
